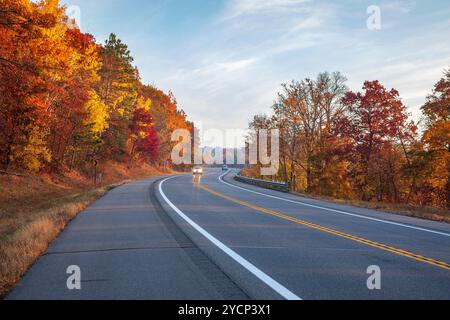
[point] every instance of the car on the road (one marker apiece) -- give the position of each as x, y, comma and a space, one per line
197, 170
225, 168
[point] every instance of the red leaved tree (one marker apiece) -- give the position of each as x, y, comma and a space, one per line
374, 118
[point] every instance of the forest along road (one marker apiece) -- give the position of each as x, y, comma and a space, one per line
211, 237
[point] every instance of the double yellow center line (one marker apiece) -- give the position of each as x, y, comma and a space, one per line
408, 254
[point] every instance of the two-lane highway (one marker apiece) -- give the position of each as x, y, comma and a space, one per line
316, 250
210, 237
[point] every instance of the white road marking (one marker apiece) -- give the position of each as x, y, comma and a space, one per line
333, 210
276, 286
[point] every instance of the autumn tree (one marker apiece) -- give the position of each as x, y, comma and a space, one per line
436, 140
141, 128
118, 88
79, 116
340, 143
27, 73
375, 120
65, 100
167, 118
305, 113
258, 123
48, 73
148, 145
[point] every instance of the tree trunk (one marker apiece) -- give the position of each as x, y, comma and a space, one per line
285, 169
7, 157
308, 177
291, 179
130, 164
447, 189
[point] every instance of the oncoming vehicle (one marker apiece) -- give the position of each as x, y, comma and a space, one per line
225, 168
197, 170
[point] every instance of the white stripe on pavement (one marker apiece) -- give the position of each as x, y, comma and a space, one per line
276, 286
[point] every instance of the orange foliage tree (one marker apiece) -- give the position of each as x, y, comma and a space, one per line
65, 100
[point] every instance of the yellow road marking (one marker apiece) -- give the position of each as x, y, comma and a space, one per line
408, 254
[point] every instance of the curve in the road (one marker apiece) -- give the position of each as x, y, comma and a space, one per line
272, 283
220, 178
408, 254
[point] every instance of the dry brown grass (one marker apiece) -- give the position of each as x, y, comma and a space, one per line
34, 210
20, 247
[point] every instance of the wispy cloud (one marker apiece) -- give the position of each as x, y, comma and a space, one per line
239, 8
401, 6
232, 66
218, 69
276, 26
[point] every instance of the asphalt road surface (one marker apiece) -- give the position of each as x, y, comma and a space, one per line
213, 238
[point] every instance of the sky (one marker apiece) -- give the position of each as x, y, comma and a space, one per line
225, 60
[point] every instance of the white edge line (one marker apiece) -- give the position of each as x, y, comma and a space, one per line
276, 286
333, 210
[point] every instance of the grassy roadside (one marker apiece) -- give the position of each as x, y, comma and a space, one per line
427, 213
34, 210
422, 212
